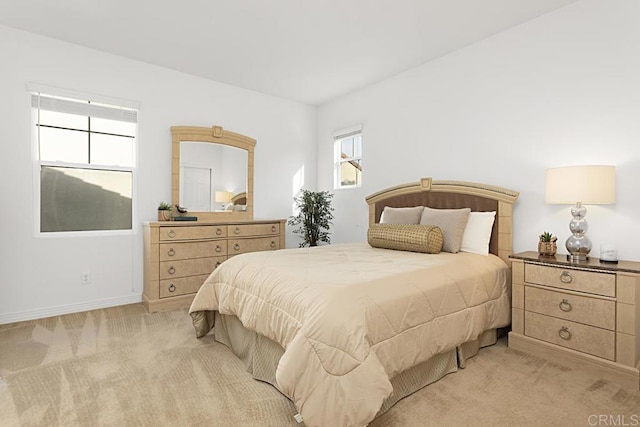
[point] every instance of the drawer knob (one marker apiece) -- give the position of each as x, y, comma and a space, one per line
218, 248
172, 234
217, 265
273, 228
566, 277
565, 306
273, 244
171, 252
564, 333
172, 288
236, 247
218, 231
237, 230
172, 270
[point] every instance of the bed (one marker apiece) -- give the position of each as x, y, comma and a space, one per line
345, 331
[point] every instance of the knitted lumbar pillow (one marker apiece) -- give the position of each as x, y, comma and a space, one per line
406, 237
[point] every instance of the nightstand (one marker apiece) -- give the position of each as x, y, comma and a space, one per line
584, 315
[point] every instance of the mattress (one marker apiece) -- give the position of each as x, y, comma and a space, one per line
350, 317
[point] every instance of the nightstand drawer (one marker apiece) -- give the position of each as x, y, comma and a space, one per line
567, 278
191, 233
587, 339
583, 309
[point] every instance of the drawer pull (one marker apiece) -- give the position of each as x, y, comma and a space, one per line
565, 306
172, 234
172, 288
171, 252
218, 248
566, 277
273, 244
218, 231
564, 333
172, 270
237, 230
273, 228
236, 247
217, 265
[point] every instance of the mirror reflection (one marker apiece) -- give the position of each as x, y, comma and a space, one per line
213, 177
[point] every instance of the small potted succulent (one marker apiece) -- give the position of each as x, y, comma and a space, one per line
547, 244
164, 211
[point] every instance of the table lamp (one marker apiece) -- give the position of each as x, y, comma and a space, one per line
223, 197
591, 185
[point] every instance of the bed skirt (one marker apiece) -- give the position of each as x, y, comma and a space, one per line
261, 356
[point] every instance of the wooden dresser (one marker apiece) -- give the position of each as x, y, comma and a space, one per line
584, 315
178, 256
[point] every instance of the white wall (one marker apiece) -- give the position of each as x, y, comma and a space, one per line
41, 276
560, 90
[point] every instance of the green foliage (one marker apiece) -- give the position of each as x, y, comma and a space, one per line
164, 206
314, 217
547, 237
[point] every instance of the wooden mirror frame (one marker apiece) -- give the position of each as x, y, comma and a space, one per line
217, 135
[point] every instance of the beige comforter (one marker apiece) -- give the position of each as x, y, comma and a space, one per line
350, 317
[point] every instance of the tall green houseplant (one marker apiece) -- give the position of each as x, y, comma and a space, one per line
314, 217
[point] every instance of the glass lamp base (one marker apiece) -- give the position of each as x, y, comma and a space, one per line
577, 258
578, 244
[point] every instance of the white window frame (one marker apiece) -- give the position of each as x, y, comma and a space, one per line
33, 88
338, 137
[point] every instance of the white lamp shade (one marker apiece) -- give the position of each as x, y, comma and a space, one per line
593, 185
223, 196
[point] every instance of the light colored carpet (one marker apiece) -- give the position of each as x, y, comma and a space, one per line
124, 367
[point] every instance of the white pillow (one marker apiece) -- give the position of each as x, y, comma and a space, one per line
477, 232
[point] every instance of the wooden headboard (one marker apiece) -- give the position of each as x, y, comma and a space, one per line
454, 195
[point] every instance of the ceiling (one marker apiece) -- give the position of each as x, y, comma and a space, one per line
303, 50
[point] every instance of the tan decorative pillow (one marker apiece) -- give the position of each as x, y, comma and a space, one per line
406, 237
451, 222
401, 215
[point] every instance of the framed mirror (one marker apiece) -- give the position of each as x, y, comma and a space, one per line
212, 172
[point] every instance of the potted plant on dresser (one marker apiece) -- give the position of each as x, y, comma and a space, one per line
547, 245
164, 211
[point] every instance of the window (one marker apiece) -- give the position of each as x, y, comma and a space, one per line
348, 158
85, 158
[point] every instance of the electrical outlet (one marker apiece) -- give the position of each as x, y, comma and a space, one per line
85, 278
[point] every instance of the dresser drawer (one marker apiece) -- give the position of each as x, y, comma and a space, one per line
587, 339
582, 309
186, 250
242, 230
189, 267
241, 246
592, 282
181, 285
193, 233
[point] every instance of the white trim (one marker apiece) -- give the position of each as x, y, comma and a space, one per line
42, 313
68, 93
342, 133
88, 166
80, 107
84, 233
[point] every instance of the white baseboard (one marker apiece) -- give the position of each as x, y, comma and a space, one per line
41, 313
